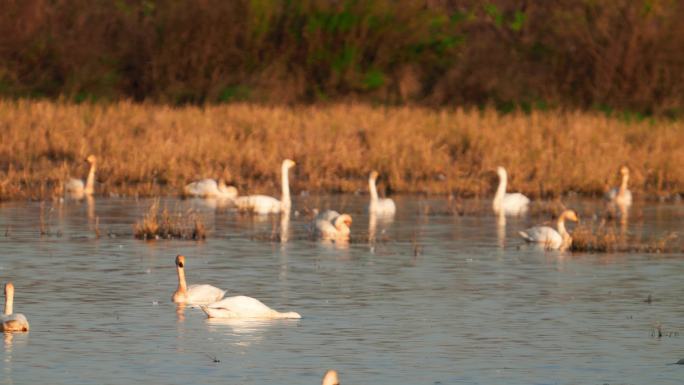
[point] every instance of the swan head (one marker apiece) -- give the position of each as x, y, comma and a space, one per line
288, 163
9, 289
501, 172
331, 378
624, 171
373, 175
180, 261
570, 215
343, 225
91, 159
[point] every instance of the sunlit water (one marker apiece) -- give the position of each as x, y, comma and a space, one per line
437, 299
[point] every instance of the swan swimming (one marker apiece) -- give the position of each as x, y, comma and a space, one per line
550, 238
193, 294
209, 188
377, 206
508, 203
331, 378
263, 204
12, 322
621, 196
244, 307
331, 225
76, 189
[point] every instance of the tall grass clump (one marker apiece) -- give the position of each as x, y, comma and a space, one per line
152, 150
161, 224
608, 238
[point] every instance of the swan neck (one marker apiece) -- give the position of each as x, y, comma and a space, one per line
182, 285
623, 185
501, 190
285, 200
373, 190
9, 303
90, 182
561, 227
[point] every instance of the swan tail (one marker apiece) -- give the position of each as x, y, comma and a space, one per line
525, 236
289, 314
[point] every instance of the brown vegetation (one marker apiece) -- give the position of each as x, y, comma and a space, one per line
160, 224
150, 150
608, 238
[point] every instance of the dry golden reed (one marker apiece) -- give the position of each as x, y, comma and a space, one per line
161, 224
150, 150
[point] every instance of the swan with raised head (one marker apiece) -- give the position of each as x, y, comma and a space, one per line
621, 196
193, 294
263, 204
377, 206
75, 188
244, 307
508, 203
331, 225
12, 322
549, 238
209, 188
331, 378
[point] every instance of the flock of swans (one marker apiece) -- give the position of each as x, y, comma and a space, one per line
328, 224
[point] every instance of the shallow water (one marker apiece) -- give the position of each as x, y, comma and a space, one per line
437, 299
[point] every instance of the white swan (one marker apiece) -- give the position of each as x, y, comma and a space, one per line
262, 204
508, 204
550, 238
75, 188
621, 196
193, 294
209, 188
377, 206
331, 378
332, 225
12, 322
244, 307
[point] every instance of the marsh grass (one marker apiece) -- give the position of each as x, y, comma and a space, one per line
607, 237
161, 224
152, 150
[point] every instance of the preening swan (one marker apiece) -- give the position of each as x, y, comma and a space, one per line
621, 196
508, 204
75, 188
193, 294
332, 225
331, 378
12, 322
262, 204
209, 188
550, 238
244, 307
377, 206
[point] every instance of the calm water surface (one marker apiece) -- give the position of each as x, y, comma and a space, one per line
437, 299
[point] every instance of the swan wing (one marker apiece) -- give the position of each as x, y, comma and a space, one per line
16, 322
202, 188
197, 294
74, 185
238, 307
384, 206
259, 204
545, 235
515, 203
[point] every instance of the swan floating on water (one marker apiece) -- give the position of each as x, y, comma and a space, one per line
263, 204
76, 189
12, 322
331, 378
377, 206
621, 196
550, 238
193, 294
209, 188
508, 203
331, 225
244, 307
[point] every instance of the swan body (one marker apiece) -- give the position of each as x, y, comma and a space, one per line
508, 203
262, 204
552, 239
331, 378
377, 206
244, 307
332, 225
209, 188
12, 322
193, 294
621, 196
76, 188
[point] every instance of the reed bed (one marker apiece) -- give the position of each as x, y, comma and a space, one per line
153, 150
161, 224
608, 238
